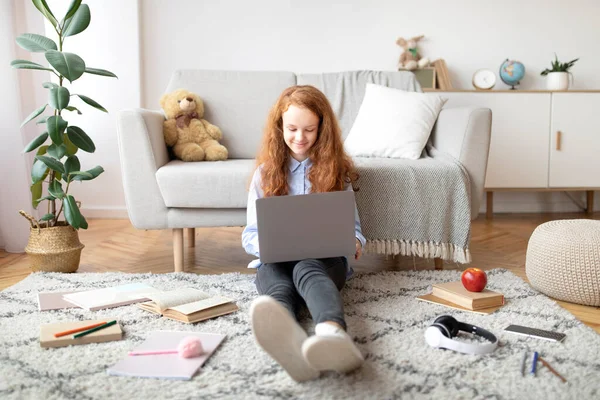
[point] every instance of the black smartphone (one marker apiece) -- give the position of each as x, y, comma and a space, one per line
536, 333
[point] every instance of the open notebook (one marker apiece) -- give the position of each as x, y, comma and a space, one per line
166, 366
97, 299
188, 305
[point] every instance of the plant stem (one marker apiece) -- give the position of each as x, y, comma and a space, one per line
52, 203
66, 192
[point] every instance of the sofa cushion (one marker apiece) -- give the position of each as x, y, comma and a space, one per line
238, 102
393, 123
218, 184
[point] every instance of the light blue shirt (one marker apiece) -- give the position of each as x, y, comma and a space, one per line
298, 183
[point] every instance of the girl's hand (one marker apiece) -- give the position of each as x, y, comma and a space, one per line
358, 250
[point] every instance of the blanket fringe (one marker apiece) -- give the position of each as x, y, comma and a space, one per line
445, 251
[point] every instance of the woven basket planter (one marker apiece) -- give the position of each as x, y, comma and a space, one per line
563, 260
54, 249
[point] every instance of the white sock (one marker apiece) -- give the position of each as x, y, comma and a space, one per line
331, 349
325, 329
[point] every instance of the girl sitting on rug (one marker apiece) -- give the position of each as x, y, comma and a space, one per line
302, 153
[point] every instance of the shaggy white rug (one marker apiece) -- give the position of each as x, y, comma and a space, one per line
383, 317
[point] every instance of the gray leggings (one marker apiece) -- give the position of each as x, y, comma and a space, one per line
315, 282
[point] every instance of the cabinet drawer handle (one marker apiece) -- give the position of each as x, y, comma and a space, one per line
558, 140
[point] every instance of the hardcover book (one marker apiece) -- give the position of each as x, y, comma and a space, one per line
188, 305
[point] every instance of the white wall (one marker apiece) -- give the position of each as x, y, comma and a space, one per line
14, 107
322, 36
144, 41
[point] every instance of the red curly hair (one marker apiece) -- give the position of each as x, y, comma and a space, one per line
331, 167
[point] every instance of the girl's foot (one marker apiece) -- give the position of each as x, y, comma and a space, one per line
278, 333
331, 349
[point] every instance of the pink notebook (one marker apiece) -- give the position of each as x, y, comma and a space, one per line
53, 301
166, 366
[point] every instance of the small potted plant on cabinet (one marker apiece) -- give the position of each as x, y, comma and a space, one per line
557, 77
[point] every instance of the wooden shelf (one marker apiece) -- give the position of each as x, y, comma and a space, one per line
511, 91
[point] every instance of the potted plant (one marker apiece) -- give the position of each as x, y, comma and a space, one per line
54, 242
558, 75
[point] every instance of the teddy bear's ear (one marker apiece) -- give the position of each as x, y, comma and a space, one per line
417, 38
401, 42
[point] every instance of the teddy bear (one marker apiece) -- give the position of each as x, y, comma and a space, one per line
410, 59
191, 137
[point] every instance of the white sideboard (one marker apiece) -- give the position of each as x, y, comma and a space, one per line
541, 140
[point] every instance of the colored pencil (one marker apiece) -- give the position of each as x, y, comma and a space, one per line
152, 352
523, 361
83, 328
545, 363
534, 363
106, 325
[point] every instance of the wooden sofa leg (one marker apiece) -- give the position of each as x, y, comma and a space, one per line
191, 236
439, 263
178, 249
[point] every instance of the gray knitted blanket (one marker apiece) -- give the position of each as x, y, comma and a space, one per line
415, 207
407, 207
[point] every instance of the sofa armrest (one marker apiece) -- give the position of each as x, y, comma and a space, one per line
142, 150
464, 133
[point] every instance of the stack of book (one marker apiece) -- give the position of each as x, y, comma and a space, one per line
454, 295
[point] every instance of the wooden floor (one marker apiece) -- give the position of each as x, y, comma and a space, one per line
114, 245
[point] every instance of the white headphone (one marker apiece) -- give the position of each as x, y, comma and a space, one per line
444, 328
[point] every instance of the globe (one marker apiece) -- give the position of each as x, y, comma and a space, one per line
511, 72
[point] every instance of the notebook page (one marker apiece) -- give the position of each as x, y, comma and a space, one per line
201, 305
173, 298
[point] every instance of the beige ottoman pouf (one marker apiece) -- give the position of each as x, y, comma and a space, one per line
563, 260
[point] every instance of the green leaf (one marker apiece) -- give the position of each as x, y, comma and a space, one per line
94, 172
49, 197
81, 139
47, 217
72, 164
102, 72
69, 65
34, 114
42, 150
49, 85
83, 224
35, 143
57, 152
36, 193
72, 9
78, 22
56, 126
24, 64
35, 43
52, 163
56, 190
45, 10
71, 108
80, 175
71, 148
42, 120
91, 102
38, 171
72, 214
59, 97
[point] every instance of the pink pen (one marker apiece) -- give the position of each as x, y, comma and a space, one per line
189, 346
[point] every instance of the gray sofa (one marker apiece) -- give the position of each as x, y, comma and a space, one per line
169, 194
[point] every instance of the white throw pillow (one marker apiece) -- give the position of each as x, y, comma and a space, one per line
393, 123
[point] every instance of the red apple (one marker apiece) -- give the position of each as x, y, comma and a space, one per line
474, 279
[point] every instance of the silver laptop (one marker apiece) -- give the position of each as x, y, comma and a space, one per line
316, 225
